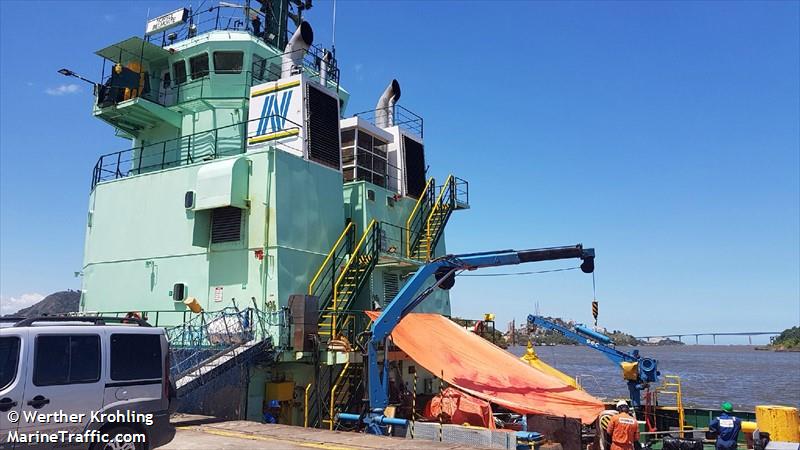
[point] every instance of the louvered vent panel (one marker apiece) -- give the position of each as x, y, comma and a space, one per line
323, 128
391, 286
415, 167
226, 224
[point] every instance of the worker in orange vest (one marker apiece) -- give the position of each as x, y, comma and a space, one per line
623, 428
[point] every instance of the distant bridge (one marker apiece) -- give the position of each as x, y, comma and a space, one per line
680, 336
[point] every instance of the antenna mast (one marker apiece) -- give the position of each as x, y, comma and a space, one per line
333, 38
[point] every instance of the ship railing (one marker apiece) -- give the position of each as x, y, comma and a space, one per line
231, 17
394, 242
205, 145
164, 90
196, 337
269, 69
386, 176
402, 117
351, 323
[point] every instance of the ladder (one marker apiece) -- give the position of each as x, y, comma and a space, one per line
672, 386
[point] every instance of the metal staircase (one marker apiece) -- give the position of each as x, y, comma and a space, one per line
338, 388
335, 317
428, 218
345, 394
211, 343
324, 281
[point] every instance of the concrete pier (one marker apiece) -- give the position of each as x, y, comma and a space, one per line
208, 433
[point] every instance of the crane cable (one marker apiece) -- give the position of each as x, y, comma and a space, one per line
595, 304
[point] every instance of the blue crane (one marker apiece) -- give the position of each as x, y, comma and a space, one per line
637, 371
443, 270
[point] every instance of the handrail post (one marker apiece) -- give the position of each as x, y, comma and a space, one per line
141, 152
305, 407
119, 158
163, 154
216, 142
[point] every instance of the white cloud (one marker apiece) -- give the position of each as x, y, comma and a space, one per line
358, 67
63, 89
9, 305
109, 17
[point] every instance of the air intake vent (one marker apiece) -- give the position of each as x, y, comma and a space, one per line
226, 224
415, 167
391, 286
323, 128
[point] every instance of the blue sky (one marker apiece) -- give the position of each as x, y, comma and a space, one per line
663, 134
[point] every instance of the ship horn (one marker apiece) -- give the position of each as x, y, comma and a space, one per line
384, 111
293, 54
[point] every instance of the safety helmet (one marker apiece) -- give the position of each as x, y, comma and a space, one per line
622, 404
727, 407
274, 404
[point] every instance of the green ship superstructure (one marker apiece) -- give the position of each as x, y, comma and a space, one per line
247, 192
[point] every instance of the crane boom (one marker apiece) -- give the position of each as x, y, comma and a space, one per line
637, 371
444, 270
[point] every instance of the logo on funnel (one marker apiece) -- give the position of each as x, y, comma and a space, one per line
273, 114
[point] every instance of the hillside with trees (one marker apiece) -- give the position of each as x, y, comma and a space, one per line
788, 340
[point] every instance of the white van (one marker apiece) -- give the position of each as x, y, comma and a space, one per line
84, 383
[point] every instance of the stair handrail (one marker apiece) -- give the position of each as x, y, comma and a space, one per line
420, 201
353, 257
328, 258
336, 384
446, 187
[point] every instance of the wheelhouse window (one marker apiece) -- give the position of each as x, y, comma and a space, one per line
66, 360
179, 67
228, 62
9, 360
167, 81
199, 65
259, 67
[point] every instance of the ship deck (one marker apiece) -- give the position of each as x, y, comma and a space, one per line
208, 433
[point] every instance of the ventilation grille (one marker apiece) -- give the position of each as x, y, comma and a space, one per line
226, 224
391, 286
323, 128
415, 167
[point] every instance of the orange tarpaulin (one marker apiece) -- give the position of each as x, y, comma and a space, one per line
484, 370
461, 408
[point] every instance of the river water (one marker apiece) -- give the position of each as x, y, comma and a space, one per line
710, 374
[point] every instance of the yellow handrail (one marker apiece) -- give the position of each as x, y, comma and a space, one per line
305, 408
413, 212
445, 187
328, 258
674, 381
344, 271
333, 392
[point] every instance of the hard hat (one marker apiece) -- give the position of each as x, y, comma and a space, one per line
274, 404
622, 404
727, 407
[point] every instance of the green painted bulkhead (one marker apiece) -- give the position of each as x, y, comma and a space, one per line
164, 243
148, 229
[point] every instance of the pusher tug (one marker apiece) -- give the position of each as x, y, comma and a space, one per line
259, 223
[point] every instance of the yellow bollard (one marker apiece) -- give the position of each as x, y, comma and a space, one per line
781, 422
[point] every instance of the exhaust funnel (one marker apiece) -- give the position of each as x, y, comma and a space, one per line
296, 49
384, 111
